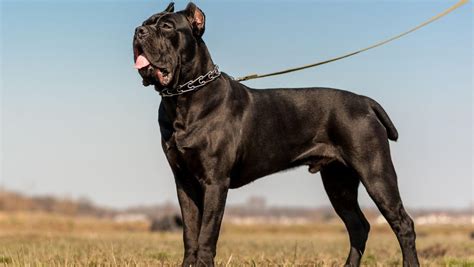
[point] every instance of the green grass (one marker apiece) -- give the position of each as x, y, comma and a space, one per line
85, 243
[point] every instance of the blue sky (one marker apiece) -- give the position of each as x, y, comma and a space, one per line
77, 122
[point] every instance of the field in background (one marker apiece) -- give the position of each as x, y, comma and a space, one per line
40, 239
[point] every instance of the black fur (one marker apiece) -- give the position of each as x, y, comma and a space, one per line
226, 135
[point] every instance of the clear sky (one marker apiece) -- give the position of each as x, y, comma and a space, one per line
76, 120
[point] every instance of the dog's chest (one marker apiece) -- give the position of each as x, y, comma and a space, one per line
180, 147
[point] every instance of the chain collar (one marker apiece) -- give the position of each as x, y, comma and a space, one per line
193, 85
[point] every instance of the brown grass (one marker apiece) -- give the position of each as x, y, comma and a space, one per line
36, 239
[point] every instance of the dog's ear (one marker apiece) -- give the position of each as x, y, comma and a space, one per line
170, 7
197, 19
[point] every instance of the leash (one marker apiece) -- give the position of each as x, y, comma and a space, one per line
440, 15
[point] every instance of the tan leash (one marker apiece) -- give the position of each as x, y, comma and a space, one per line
447, 11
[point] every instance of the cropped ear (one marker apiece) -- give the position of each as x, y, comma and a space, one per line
170, 7
197, 19
153, 19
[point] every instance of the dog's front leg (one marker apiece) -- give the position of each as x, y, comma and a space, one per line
190, 200
215, 194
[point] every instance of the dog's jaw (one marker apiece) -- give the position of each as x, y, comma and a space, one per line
146, 69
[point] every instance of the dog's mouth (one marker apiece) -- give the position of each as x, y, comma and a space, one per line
151, 73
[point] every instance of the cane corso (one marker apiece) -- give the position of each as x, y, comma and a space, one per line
218, 134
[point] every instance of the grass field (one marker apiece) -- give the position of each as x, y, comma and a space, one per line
47, 240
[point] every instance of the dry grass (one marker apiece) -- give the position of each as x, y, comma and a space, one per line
48, 240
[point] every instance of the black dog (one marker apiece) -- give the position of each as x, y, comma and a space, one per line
219, 134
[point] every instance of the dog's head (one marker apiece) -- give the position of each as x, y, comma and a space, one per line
165, 42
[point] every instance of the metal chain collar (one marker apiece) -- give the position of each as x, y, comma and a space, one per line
193, 84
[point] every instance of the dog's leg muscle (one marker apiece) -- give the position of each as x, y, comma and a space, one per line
215, 194
378, 175
383, 189
190, 201
341, 184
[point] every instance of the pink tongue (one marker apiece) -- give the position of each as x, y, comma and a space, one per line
141, 62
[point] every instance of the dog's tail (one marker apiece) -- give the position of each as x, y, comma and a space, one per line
392, 132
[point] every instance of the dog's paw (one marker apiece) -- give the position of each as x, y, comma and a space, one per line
190, 260
205, 259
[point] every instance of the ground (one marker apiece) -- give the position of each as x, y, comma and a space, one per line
47, 240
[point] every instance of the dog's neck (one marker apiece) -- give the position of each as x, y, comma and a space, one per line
201, 64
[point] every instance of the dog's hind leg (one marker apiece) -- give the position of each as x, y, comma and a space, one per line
378, 175
341, 184
382, 188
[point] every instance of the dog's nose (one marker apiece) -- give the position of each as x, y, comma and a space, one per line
141, 32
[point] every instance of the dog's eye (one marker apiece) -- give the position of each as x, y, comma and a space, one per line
167, 26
